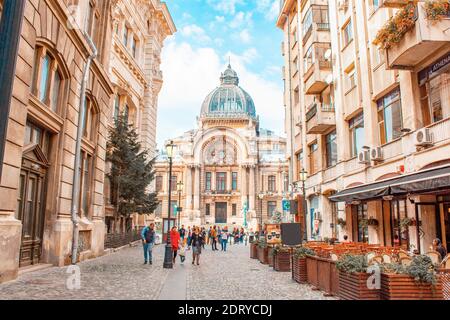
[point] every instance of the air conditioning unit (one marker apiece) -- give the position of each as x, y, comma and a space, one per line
376, 154
423, 138
363, 156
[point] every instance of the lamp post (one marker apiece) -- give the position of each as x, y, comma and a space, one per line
303, 177
179, 208
261, 197
168, 262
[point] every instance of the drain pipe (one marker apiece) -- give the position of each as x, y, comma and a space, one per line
76, 175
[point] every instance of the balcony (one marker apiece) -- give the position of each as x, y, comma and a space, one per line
316, 75
394, 3
320, 118
424, 38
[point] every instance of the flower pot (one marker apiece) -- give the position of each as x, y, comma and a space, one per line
404, 287
263, 255
253, 251
353, 286
299, 269
282, 261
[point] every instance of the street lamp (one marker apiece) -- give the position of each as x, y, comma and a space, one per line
261, 197
303, 177
168, 262
179, 208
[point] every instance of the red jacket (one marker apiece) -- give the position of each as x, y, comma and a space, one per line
174, 239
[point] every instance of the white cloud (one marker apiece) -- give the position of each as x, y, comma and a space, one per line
225, 6
245, 36
220, 19
270, 8
241, 19
196, 32
190, 74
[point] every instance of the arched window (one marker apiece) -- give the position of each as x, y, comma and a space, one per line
47, 79
90, 120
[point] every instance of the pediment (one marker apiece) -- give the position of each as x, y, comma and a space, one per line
34, 152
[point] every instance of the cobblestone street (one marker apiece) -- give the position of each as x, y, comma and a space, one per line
122, 275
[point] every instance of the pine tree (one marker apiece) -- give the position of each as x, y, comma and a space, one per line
131, 170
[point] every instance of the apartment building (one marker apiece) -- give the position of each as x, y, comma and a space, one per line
139, 31
368, 116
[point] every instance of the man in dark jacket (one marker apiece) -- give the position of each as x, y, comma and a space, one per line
196, 243
148, 241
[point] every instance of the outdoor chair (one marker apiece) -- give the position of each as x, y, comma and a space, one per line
434, 256
377, 259
370, 255
387, 258
445, 264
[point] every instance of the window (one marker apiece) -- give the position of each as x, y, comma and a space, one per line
37, 135
47, 79
89, 120
390, 117
126, 112
125, 36
313, 158
207, 209
271, 207
208, 181
350, 79
374, 4
159, 183
234, 209
173, 183
356, 127
308, 60
399, 236
85, 183
299, 163
307, 23
286, 183
434, 90
361, 222
221, 183
158, 210
347, 33
134, 47
116, 107
234, 177
271, 186
331, 149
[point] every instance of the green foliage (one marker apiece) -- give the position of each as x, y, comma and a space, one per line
262, 243
279, 248
341, 222
131, 171
352, 263
405, 223
421, 269
302, 252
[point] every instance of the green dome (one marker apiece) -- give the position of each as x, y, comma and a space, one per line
229, 100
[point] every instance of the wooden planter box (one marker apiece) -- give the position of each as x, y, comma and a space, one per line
282, 261
299, 269
263, 255
404, 287
270, 256
322, 274
253, 251
353, 286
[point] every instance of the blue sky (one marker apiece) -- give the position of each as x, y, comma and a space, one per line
210, 32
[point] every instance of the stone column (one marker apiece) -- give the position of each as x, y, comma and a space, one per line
188, 187
197, 190
252, 188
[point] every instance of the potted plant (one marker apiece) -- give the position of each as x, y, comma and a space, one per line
299, 273
436, 10
270, 255
281, 258
363, 223
417, 281
353, 278
263, 251
254, 249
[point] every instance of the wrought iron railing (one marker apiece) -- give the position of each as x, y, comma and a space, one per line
115, 240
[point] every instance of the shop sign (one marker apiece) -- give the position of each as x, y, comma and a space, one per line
434, 69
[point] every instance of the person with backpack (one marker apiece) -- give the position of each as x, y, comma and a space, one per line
148, 241
224, 239
182, 233
214, 239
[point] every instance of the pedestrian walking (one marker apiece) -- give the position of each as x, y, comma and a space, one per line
189, 235
182, 252
214, 239
251, 235
196, 244
148, 241
241, 235
175, 242
182, 232
204, 237
224, 239
209, 235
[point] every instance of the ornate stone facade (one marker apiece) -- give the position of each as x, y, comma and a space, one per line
225, 163
139, 30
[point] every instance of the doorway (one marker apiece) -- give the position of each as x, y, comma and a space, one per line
221, 212
447, 224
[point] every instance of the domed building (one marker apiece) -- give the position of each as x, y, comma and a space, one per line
231, 171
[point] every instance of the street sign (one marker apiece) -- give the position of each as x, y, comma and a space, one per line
286, 205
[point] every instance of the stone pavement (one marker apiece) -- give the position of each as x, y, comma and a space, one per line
122, 275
